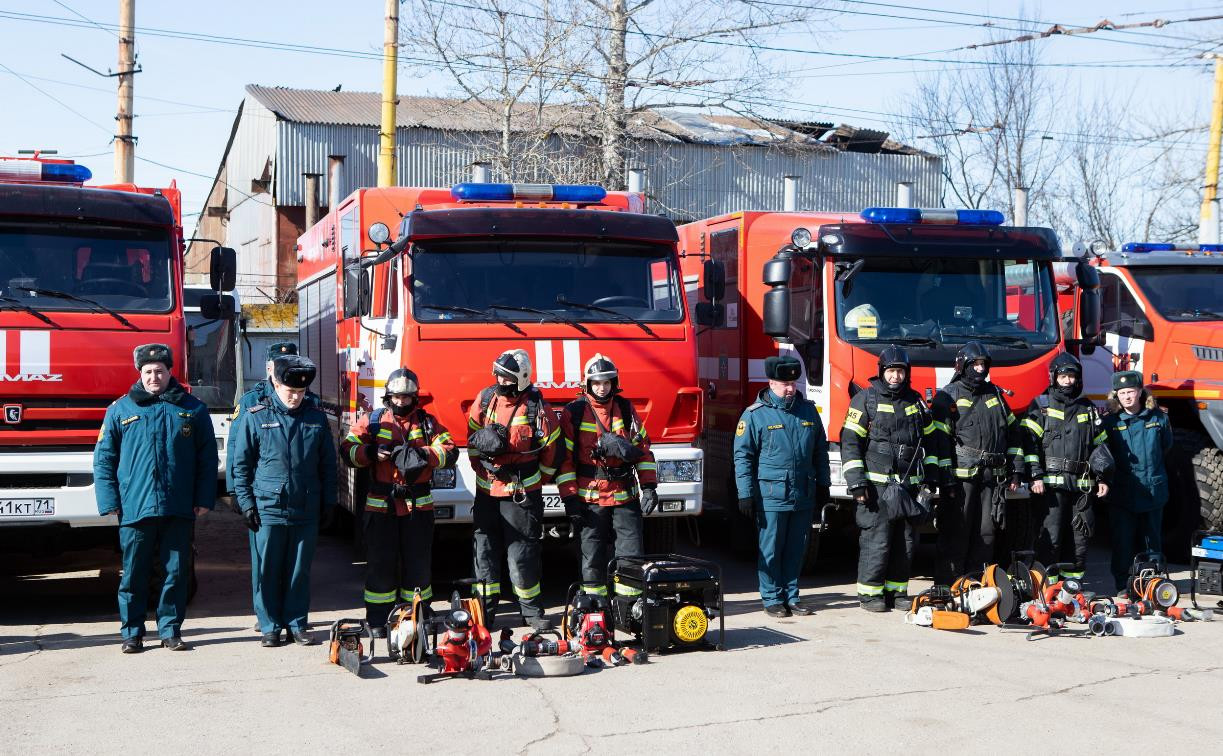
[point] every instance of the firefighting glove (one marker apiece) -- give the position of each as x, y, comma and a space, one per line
745, 507
861, 494
252, 519
1084, 519
410, 460
997, 510
649, 501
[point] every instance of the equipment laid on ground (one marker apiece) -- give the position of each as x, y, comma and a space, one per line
1144, 627
667, 600
587, 624
346, 648
406, 639
952, 608
1206, 565
1058, 604
1150, 583
465, 647
540, 654
1024, 582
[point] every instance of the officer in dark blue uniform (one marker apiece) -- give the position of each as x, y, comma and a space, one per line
1139, 437
781, 472
155, 467
285, 480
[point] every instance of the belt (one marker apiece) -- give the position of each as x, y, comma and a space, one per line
1061, 464
601, 472
506, 473
984, 458
399, 490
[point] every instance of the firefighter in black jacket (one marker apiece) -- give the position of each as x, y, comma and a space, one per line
889, 436
984, 459
1067, 473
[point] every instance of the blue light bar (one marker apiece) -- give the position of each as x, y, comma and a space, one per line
934, 215
1211, 247
68, 173
1145, 247
577, 193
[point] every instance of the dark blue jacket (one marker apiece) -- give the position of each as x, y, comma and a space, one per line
1139, 444
156, 456
257, 395
284, 462
781, 454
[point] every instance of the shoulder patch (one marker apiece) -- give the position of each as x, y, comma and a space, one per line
753, 407
237, 411
741, 428
257, 408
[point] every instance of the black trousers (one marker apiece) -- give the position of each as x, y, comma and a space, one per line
885, 551
505, 529
1056, 540
398, 560
603, 527
966, 531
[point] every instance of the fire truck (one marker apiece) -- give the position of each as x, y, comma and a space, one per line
214, 360
837, 288
563, 271
87, 273
1162, 307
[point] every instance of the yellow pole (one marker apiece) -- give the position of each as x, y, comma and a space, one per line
1208, 228
390, 59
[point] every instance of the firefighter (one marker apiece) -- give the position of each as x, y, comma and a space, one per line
513, 445
608, 479
285, 483
155, 467
1064, 430
890, 439
402, 445
782, 475
1140, 438
983, 459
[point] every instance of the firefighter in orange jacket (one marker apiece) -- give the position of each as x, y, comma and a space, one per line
608, 477
513, 444
402, 444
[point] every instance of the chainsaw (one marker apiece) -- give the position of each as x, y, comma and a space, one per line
346, 648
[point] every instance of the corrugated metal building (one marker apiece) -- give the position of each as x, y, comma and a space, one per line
696, 165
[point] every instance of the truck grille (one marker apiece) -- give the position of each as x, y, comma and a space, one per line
60, 414
1210, 354
45, 480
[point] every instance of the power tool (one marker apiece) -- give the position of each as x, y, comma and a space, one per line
465, 647
952, 608
1150, 583
406, 639
586, 623
346, 648
666, 601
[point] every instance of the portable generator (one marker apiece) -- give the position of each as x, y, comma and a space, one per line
1206, 566
666, 601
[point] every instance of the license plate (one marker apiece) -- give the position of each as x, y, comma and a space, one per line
27, 507
553, 501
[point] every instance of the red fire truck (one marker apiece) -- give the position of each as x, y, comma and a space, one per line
563, 272
87, 273
837, 288
1161, 313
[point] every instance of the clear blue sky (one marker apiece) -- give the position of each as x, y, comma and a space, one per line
189, 91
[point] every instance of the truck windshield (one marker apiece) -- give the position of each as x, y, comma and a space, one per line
1184, 292
126, 269
212, 367
463, 279
944, 301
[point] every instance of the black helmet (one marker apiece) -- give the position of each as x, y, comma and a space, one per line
970, 353
894, 356
1064, 363
600, 368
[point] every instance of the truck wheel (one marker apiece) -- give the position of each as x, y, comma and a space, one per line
1194, 493
659, 535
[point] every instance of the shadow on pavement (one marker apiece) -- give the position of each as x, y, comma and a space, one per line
745, 638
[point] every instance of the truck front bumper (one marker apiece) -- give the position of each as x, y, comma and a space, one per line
41, 488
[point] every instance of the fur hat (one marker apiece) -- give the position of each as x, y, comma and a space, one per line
1127, 379
782, 368
280, 349
293, 371
146, 353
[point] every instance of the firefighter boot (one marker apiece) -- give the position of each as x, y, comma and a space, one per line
873, 603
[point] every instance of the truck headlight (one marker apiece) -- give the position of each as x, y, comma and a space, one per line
679, 471
444, 478
834, 467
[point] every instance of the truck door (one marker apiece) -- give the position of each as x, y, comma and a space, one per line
383, 318
722, 367
1126, 330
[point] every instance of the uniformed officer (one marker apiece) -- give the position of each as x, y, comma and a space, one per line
513, 443
285, 480
889, 441
782, 475
1139, 437
1064, 430
984, 454
155, 466
402, 445
608, 478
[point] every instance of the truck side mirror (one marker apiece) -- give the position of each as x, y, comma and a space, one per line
776, 313
709, 314
223, 269
714, 275
365, 292
217, 307
1089, 306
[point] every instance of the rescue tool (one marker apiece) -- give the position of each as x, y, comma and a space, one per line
346, 648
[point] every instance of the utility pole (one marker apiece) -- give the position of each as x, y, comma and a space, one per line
390, 60
1208, 223
125, 143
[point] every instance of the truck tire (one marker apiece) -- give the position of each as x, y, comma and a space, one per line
659, 537
1195, 483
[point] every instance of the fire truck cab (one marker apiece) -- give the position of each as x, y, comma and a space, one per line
563, 272
837, 288
1162, 307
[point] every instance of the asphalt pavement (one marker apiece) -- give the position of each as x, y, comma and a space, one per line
841, 680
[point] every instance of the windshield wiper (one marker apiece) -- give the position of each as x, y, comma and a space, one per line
486, 313
546, 313
912, 341
1200, 314
1018, 341
97, 307
560, 299
19, 305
